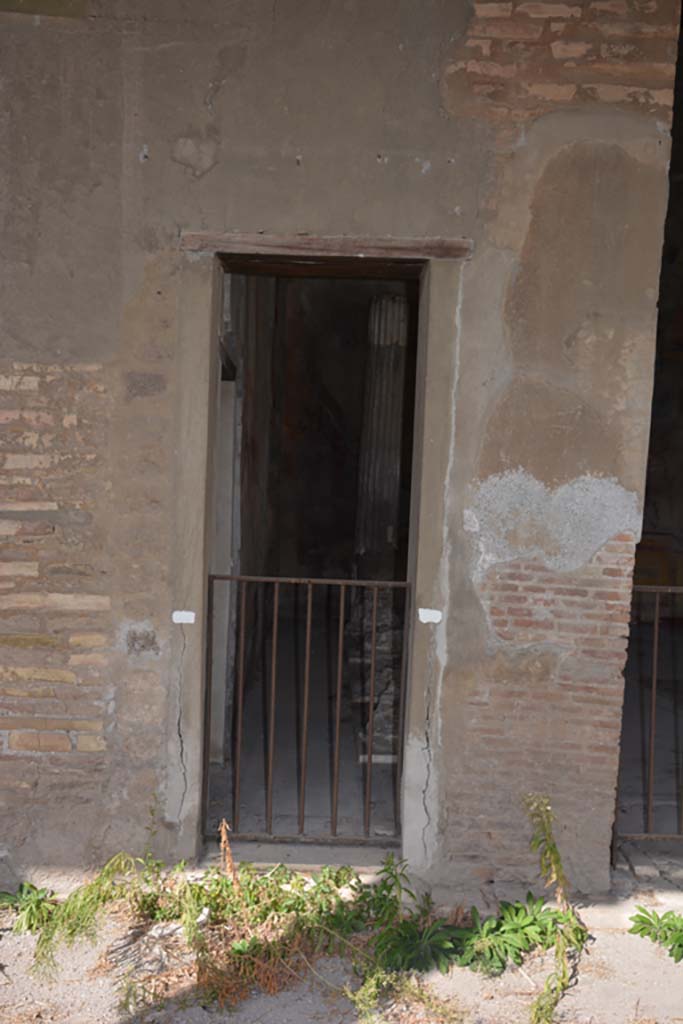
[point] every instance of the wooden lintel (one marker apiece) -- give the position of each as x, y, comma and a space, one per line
308, 246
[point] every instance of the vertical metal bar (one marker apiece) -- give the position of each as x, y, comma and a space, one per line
371, 715
304, 726
337, 707
208, 684
271, 712
239, 713
403, 682
653, 721
678, 760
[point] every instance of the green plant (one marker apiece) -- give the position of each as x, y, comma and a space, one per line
251, 929
377, 985
380, 986
410, 945
383, 902
77, 916
570, 935
489, 945
33, 906
665, 929
540, 814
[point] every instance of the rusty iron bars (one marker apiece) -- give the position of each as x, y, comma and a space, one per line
246, 585
649, 809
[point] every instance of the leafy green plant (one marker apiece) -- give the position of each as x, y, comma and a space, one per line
664, 929
411, 946
33, 906
489, 945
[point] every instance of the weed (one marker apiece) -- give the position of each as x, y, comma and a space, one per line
570, 935
33, 907
77, 916
542, 820
410, 946
378, 985
411, 991
664, 929
518, 928
248, 929
405, 993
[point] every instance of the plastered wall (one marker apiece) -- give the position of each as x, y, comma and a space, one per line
129, 123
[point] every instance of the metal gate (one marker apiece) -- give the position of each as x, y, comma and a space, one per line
650, 792
317, 683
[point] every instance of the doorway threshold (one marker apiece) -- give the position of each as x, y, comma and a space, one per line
305, 857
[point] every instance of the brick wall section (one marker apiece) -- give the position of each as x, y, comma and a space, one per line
586, 612
520, 58
55, 603
553, 698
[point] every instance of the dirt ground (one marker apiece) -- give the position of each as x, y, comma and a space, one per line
623, 979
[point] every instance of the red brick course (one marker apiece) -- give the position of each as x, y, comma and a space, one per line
519, 59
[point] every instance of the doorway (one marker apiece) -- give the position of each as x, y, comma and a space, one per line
308, 588
650, 793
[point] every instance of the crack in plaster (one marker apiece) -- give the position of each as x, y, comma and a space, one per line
179, 724
426, 750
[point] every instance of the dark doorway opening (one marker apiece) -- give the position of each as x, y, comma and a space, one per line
650, 793
309, 597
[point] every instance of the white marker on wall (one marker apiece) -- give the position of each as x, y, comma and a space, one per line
429, 615
183, 617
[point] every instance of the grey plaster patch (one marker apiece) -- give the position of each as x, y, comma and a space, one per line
197, 154
514, 515
141, 385
139, 639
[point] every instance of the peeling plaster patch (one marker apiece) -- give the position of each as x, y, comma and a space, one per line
138, 639
199, 155
470, 521
142, 385
514, 515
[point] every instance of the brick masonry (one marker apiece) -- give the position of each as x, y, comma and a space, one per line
586, 612
519, 59
549, 706
55, 580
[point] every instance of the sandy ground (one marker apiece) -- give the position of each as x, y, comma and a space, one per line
623, 979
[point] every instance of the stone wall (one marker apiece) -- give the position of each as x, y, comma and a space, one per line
538, 131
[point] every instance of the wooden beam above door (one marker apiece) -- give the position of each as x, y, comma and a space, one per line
326, 246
